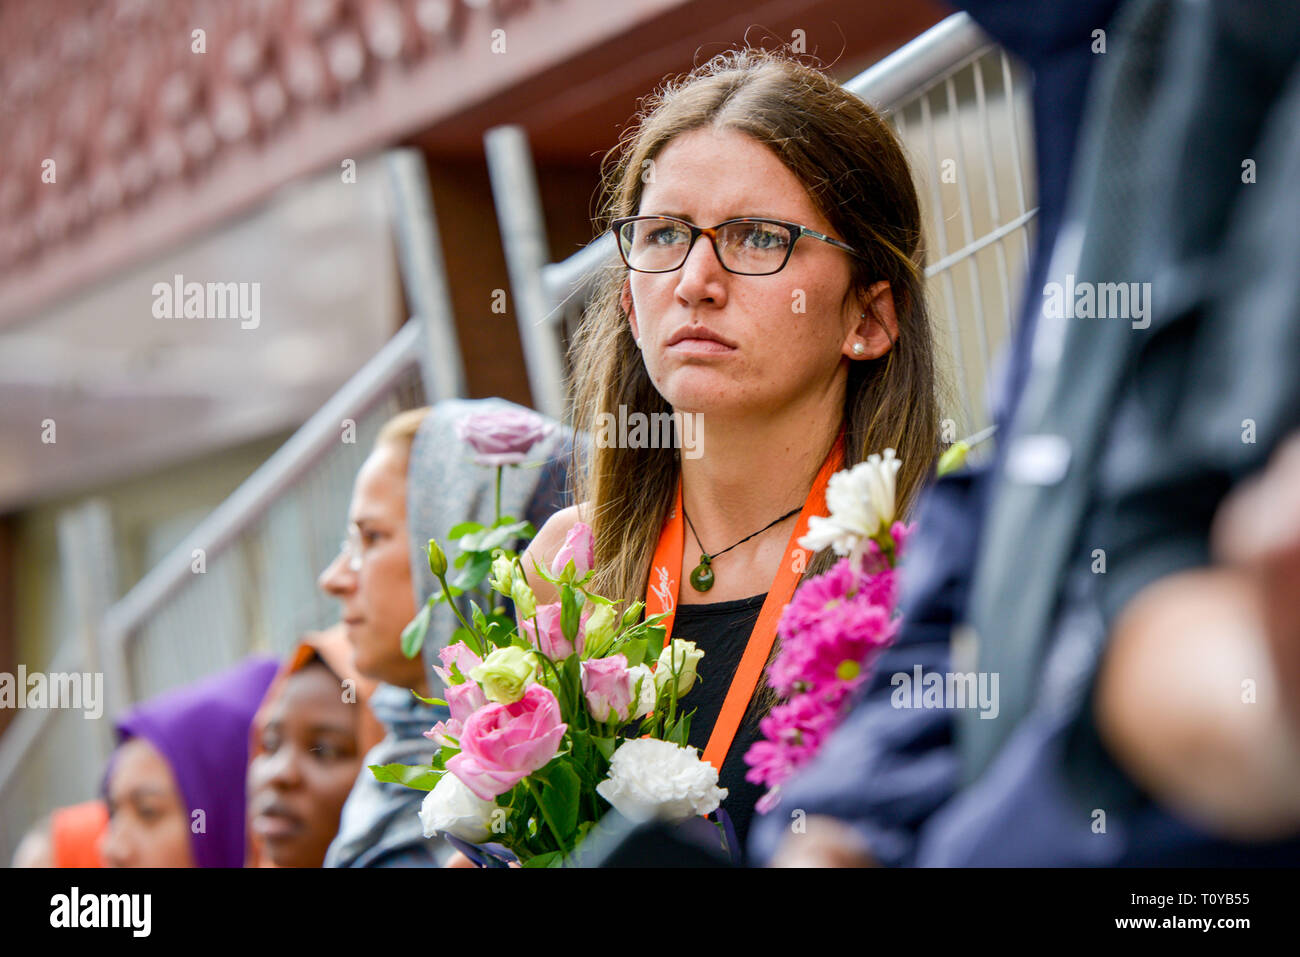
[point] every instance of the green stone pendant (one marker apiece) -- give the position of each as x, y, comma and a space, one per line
702, 576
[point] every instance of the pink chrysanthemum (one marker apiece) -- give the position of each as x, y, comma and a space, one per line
832, 628
830, 633
793, 731
816, 598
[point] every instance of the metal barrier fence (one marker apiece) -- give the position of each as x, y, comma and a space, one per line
244, 579
950, 94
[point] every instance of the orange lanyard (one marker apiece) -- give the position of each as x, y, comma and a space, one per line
664, 585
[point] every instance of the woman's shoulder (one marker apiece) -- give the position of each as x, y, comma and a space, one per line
551, 535
547, 542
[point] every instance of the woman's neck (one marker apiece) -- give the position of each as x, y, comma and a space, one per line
754, 471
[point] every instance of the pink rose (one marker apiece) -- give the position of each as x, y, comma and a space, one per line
460, 655
577, 547
502, 744
607, 685
503, 438
551, 641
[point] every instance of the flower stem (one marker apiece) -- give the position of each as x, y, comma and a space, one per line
672, 670
885, 539
477, 649
495, 521
532, 789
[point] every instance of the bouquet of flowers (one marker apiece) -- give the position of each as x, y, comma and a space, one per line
836, 624
555, 721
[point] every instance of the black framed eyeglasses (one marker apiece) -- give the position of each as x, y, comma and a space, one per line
747, 247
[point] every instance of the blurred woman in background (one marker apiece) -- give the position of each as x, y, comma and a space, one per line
308, 740
416, 484
175, 784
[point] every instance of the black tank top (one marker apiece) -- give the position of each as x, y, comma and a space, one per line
721, 630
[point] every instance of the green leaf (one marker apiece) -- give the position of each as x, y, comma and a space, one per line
421, 777
588, 762
545, 573
477, 617
633, 650
654, 641
463, 529
482, 539
413, 634
571, 671
542, 860
429, 700
680, 732
571, 602
605, 746
475, 570
497, 537
560, 790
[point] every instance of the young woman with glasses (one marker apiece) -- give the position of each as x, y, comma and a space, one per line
770, 282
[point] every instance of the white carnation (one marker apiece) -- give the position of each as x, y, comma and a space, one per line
452, 808
650, 779
861, 501
881, 478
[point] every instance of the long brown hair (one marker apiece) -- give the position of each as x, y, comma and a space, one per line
857, 176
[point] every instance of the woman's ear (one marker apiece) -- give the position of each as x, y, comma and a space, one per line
625, 300
876, 329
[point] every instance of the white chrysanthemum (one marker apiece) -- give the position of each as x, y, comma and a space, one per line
861, 501
452, 808
650, 779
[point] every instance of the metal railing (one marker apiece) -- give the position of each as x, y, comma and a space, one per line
246, 571
244, 578
950, 94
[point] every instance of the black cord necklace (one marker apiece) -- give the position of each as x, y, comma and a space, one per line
702, 576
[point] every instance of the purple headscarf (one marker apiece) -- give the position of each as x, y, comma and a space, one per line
202, 730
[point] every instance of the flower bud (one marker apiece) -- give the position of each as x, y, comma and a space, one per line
525, 600
437, 559
643, 686
600, 627
502, 575
633, 614
574, 559
686, 657
608, 687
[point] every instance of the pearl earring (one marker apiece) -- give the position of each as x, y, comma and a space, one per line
638, 344
858, 348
